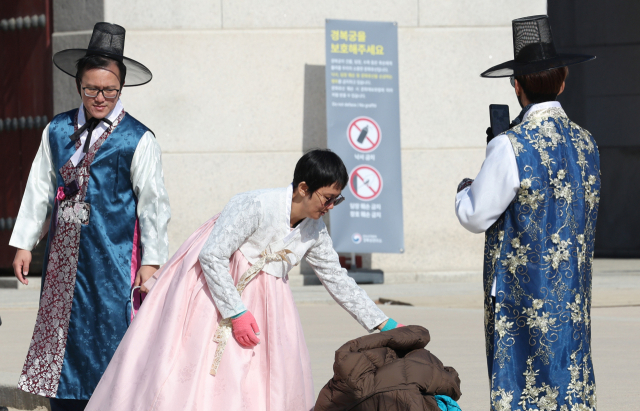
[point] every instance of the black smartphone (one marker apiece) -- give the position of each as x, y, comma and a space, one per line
499, 115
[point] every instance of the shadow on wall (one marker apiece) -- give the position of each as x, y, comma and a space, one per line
314, 125
314, 134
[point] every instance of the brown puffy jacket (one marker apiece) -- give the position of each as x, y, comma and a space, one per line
388, 371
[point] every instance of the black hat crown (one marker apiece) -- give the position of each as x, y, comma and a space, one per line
533, 50
532, 39
108, 40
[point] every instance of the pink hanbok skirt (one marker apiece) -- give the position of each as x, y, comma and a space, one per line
164, 359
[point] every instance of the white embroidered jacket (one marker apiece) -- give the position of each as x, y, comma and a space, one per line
258, 221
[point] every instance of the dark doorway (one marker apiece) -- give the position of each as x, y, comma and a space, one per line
603, 96
26, 104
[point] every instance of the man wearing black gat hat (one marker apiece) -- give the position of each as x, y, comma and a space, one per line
98, 175
536, 198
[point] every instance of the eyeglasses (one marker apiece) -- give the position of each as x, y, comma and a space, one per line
512, 80
329, 201
93, 92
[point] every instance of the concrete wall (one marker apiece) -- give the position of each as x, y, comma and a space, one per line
238, 93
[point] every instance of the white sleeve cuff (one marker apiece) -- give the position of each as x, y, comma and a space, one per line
483, 202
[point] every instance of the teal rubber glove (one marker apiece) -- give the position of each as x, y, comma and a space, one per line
391, 324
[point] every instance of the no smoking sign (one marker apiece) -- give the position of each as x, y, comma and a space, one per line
364, 134
365, 183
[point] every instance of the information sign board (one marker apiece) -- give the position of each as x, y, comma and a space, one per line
363, 126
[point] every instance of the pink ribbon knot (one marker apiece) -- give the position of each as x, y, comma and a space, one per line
60, 195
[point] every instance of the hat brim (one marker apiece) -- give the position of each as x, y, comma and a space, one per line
137, 73
514, 68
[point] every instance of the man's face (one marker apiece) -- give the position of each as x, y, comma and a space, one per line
100, 79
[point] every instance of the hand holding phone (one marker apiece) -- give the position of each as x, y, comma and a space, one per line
499, 116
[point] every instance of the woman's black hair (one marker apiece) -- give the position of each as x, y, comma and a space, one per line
94, 62
320, 168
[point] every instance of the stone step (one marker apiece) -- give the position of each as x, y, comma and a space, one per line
14, 399
13, 283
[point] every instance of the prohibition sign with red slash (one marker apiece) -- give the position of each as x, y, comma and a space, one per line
364, 134
365, 183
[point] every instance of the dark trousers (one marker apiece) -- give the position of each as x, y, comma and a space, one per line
67, 405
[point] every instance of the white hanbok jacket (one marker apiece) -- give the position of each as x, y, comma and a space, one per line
259, 221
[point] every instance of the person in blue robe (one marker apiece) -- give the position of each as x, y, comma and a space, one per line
536, 199
96, 186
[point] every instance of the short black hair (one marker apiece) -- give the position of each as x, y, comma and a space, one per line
320, 168
94, 62
543, 85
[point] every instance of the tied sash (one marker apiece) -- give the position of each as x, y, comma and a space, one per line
67, 191
224, 328
89, 126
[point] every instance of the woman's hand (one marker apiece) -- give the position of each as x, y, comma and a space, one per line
144, 273
21, 265
245, 330
389, 324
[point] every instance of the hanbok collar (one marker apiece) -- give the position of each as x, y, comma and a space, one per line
292, 233
288, 199
540, 106
99, 130
293, 230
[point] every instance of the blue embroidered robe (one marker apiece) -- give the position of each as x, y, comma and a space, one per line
100, 311
538, 330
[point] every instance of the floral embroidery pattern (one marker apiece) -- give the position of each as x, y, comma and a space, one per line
500, 398
517, 146
74, 212
533, 199
542, 397
556, 256
513, 261
540, 252
576, 314
580, 390
43, 366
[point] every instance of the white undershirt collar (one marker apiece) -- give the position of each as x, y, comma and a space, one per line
540, 106
97, 132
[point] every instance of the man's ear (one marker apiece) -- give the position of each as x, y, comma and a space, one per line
518, 88
561, 88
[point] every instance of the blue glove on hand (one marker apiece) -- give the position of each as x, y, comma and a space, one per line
391, 324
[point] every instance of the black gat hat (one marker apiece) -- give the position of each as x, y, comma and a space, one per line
107, 40
533, 50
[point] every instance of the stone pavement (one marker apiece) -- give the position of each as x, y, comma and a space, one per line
451, 311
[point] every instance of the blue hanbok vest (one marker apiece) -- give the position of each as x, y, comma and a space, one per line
540, 251
88, 267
